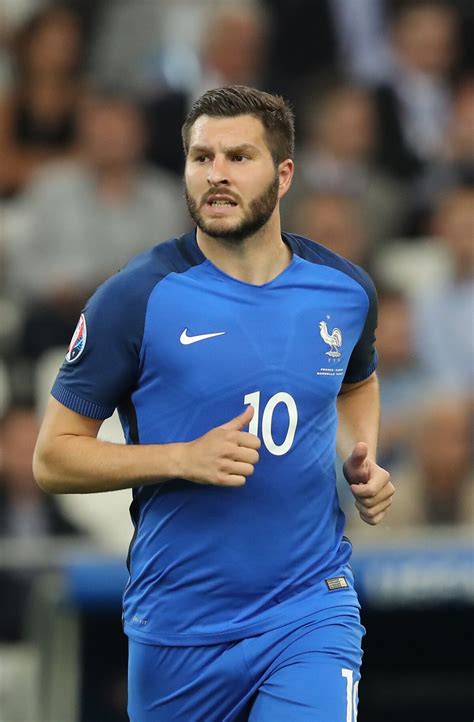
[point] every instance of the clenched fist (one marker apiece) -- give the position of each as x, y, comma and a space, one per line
370, 485
225, 456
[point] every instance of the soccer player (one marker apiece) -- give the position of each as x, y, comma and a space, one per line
234, 355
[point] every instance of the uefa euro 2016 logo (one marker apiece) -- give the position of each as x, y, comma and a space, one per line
78, 341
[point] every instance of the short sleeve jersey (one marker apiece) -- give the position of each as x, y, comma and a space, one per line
179, 347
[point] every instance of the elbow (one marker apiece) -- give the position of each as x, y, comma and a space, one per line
44, 473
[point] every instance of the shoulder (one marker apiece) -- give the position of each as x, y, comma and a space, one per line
162, 195
118, 308
316, 253
62, 178
156, 175
134, 282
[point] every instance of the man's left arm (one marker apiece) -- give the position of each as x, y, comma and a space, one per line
358, 407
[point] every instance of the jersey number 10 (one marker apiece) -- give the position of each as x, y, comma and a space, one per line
280, 398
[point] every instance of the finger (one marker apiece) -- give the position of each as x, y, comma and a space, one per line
359, 454
241, 421
373, 512
247, 440
372, 487
249, 456
374, 520
356, 468
233, 480
384, 494
356, 475
241, 468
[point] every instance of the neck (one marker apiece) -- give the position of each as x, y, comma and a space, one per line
257, 260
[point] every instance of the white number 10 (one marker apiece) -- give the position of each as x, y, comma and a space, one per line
351, 689
280, 398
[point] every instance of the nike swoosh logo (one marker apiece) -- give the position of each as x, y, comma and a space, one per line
186, 340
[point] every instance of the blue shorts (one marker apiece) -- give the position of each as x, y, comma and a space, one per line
307, 671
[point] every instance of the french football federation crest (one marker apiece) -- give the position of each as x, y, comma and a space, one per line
78, 341
334, 339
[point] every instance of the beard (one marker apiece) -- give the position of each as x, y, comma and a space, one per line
259, 211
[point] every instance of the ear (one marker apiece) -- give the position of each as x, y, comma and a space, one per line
285, 175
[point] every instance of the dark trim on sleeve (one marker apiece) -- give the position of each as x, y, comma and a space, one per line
135, 517
355, 378
131, 414
363, 360
81, 406
116, 313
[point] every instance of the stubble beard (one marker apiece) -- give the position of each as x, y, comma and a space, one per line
259, 212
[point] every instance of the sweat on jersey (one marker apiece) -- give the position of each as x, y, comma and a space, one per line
179, 347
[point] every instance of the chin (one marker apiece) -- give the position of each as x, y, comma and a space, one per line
220, 228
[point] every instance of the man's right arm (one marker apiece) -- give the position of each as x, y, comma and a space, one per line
70, 459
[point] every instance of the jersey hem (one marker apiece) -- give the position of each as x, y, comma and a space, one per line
341, 597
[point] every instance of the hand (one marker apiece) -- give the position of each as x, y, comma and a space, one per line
225, 456
370, 484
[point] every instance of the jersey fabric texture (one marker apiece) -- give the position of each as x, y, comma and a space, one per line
179, 347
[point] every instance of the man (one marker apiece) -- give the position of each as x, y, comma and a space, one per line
240, 603
414, 104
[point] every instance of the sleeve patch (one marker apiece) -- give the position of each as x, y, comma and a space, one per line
78, 341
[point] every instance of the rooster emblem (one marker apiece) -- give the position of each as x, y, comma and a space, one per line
334, 340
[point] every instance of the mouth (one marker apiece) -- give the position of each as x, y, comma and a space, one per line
219, 201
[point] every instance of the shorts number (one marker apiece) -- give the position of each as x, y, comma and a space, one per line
280, 398
351, 695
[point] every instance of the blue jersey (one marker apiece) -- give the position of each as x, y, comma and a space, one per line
179, 347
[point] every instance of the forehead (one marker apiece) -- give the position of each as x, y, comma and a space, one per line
227, 132
427, 18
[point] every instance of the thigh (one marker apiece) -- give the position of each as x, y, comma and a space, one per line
186, 684
315, 678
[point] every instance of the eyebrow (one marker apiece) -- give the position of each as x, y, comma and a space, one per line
236, 150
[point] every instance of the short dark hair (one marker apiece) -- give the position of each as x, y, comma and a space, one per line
273, 111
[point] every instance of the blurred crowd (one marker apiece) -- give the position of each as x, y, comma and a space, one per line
92, 98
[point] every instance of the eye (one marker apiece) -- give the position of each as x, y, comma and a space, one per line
238, 158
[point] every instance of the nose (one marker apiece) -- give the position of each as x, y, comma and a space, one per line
217, 173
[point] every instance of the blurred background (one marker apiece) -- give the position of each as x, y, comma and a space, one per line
92, 97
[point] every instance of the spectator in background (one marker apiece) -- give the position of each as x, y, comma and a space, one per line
233, 46
337, 157
38, 114
414, 106
126, 35
334, 221
455, 164
13, 14
438, 486
324, 37
443, 318
25, 513
402, 381
232, 53
86, 218
361, 38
